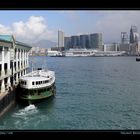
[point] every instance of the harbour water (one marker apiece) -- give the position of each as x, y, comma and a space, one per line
92, 93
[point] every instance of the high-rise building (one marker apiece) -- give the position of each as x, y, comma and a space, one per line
60, 39
84, 41
124, 38
88, 41
96, 41
75, 41
67, 42
134, 37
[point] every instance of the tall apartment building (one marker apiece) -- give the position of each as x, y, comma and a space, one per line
96, 41
60, 39
88, 41
84, 41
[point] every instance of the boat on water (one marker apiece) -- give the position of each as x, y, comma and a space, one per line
37, 85
55, 54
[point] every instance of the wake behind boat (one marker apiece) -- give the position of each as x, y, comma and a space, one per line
37, 85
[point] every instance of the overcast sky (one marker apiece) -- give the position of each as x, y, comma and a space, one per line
34, 25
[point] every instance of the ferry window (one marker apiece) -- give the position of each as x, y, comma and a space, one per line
25, 82
36, 83
32, 83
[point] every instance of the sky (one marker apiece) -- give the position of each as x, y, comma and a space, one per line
30, 26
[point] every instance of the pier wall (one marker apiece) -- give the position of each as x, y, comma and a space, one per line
6, 101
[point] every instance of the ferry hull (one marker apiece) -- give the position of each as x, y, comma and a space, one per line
23, 97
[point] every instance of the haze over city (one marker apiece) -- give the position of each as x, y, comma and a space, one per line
34, 25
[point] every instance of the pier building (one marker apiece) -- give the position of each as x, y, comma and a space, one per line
13, 64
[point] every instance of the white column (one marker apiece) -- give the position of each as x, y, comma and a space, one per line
19, 73
27, 59
16, 77
8, 67
2, 86
17, 59
2, 65
8, 82
20, 59
23, 60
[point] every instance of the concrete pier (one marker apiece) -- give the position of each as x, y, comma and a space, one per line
13, 64
7, 100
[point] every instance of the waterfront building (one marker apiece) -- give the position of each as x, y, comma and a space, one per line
124, 38
42, 51
111, 47
134, 41
13, 61
84, 41
134, 37
67, 43
96, 41
75, 41
60, 39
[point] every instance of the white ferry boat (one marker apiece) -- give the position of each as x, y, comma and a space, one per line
37, 85
79, 52
55, 54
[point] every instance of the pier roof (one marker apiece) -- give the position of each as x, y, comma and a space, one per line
6, 38
10, 38
22, 44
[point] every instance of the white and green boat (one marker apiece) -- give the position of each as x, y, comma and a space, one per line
37, 85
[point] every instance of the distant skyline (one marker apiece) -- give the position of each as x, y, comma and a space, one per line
34, 25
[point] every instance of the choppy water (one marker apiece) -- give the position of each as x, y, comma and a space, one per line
93, 93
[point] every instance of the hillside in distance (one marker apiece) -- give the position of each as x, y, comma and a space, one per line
44, 44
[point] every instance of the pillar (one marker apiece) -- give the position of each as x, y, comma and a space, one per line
8, 82
2, 65
2, 86
17, 59
23, 58
20, 59
8, 64
27, 60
